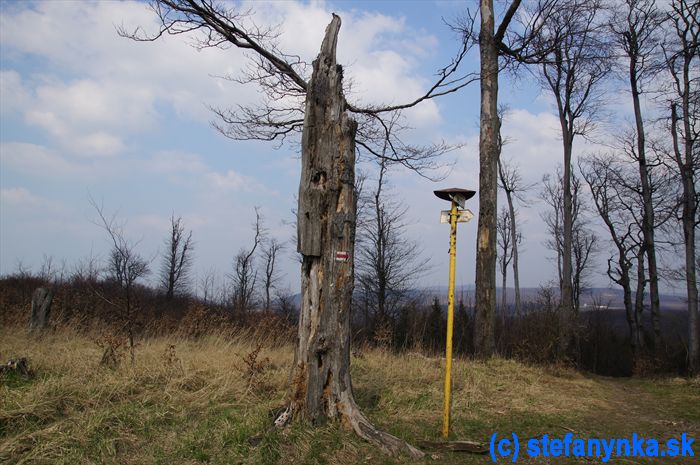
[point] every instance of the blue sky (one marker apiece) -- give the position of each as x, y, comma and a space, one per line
84, 112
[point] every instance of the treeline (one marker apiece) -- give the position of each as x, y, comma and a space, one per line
94, 305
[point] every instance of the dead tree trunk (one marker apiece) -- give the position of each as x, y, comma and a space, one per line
322, 389
41, 308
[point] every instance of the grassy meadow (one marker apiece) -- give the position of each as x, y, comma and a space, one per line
200, 401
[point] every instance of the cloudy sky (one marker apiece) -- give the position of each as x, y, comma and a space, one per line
87, 113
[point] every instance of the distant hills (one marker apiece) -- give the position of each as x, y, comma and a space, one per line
592, 298
596, 297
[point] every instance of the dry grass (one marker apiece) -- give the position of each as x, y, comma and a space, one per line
187, 401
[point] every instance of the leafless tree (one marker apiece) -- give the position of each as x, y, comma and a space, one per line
47, 270
505, 251
575, 61
125, 266
511, 182
207, 283
269, 256
244, 275
583, 239
583, 248
607, 178
284, 302
510, 45
660, 191
86, 270
681, 57
636, 27
388, 263
177, 259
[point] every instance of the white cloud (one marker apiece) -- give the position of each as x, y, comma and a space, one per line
21, 200
97, 144
189, 169
19, 197
174, 163
14, 95
231, 181
39, 162
122, 79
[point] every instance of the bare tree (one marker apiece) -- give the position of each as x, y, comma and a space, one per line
606, 178
125, 267
681, 56
636, 29
284, 303
244, 275
515, 188
207, 284
583, 248
505, 251
513, 46
574, 63
583, 239
269, 256
387, 262
177, 259
86, 270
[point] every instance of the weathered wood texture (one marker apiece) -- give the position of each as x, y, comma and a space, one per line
485, 299
41, 309
322, 388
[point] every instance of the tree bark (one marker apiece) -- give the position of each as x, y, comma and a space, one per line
514, 239
624, 282
485, 297
689, 232
567, 296
639, 305
685, 159
648, 215
322, 388
684, 19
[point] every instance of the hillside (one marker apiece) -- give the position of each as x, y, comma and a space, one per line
187, 402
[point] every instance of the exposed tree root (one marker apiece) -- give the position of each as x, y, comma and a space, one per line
385, 441
352, 418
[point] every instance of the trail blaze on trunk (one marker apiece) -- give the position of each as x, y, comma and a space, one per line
322, 388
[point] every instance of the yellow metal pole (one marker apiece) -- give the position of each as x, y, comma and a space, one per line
450, 321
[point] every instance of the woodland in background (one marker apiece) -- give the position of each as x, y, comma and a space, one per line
86, 304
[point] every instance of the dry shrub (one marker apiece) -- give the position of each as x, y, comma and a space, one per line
257, 372
269, 330
113, 349
200, 320
384, 334
647, 365
170, 359
255, 366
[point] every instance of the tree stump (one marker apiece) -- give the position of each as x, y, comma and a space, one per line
41, 308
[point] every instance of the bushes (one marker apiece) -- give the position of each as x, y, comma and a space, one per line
600, 345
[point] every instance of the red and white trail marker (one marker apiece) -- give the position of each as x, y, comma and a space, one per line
342, 256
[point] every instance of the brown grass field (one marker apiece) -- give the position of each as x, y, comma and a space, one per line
190, 402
